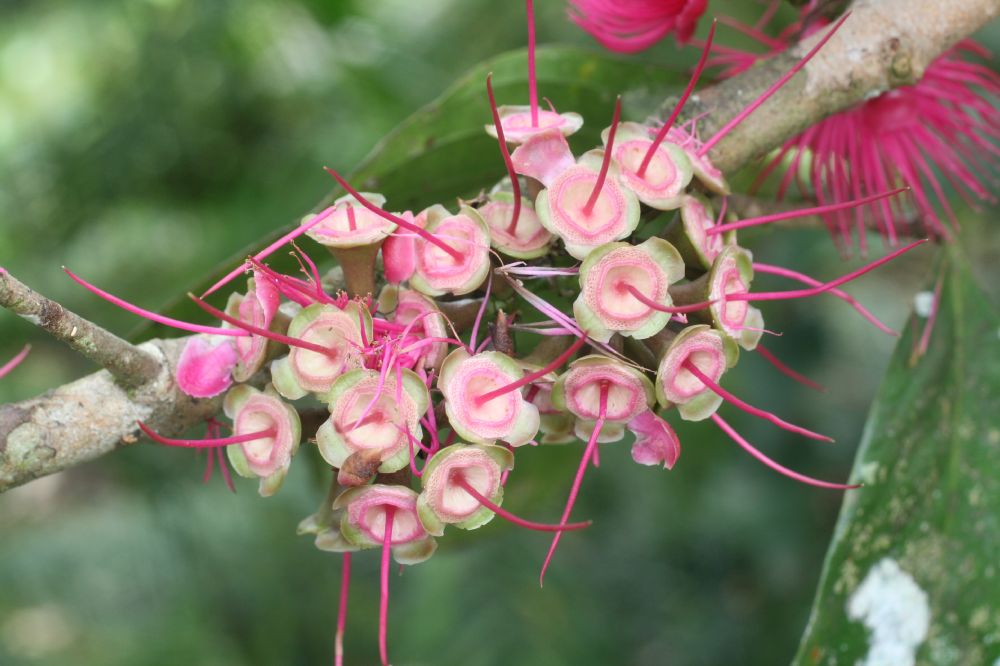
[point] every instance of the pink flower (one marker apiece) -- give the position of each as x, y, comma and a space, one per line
204, 370
628, 26
947, 124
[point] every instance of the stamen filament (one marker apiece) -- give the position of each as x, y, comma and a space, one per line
205, 443
741, 116
352, 222
588, 454
267, 251
787, 371
345, 583
781, 469
677, 309
606, 162
505, 154
750, 409
383, 605
843, 295
462, 483
662, 134
532, 81
406, 224
533, 376
262, 332
14, 362
152, 316
791, 214
827, 286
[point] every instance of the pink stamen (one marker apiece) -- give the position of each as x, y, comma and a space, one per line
291, 288
760, 413
479, 315
505, 153
345, 583
805, 293
662, 134
205, 443
925, 336
462, 483
588, 454
413, 454
791, 214
781, 469
352, 223
530, 377
678, 309
728, 127
225, 470
752, 32
14, 362
267, 251
405, 224
383, 605
152, 316
532, 81
787, 371
262, 332
843, 295
606, 162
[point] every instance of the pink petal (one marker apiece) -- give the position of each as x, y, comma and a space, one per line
655, 441
543, 156
203, 371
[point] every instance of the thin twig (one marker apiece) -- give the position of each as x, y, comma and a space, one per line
127, 363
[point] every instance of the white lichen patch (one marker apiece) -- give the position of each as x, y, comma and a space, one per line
896, 612
923, 303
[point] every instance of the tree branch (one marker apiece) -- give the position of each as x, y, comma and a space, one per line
85, 419
127, 363
885, 43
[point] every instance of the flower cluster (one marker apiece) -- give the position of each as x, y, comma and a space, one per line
423, 416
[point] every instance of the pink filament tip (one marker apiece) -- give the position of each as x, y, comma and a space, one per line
827, 286
532, 81
345, 584
843, 295
152, 316
662, 134
787, 371
741, 116
405, 224
205, 443
14, 362
505, 153
537, 374
606, 163
791, 214
257, 330
588, 455
679, 309
760, 413
781, 469
383, 605
461, 482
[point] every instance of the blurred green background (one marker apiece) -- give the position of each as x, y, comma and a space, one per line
144, 141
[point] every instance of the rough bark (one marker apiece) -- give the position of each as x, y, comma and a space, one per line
85, 419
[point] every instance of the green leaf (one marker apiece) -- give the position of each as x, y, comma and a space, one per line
442, 151
914, 565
